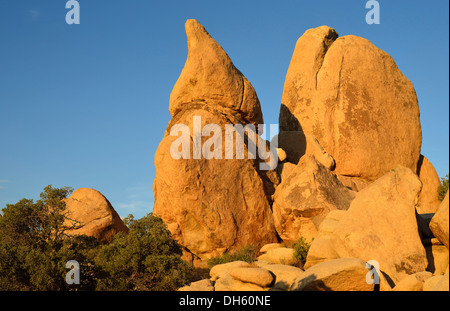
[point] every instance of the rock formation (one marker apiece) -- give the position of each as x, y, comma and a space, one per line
353, 99
344, 274
216, 205
351, 179
209, 77
93, 215
413, 282
428, 199
305, 197
381, 225
439, 224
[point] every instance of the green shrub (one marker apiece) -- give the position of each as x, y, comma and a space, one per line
301, 248
34, 251
146, 258
443, 188
248, 253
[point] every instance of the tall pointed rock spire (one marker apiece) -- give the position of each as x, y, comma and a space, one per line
209, 77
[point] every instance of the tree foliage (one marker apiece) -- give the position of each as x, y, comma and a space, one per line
247, 253
301, 249
443, 188
34, 250
146, 258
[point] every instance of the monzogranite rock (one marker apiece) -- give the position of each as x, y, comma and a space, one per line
212, 205
210, 77
305, 197
349, 146
93, 214
428, 199
439, 223
353, 99
381, 225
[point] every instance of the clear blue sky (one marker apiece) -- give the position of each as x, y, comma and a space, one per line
87, 105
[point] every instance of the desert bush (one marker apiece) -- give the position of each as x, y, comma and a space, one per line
146, 258
34, 251
247, 253
301, 248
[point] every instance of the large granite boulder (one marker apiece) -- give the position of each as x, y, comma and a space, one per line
217, 204
354, 100
91, 214
381, 225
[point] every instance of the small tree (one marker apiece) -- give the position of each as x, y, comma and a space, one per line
34, 249
443, 188
301, 248
35, 223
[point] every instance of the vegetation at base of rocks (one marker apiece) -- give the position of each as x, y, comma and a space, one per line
34, 250
146, 258
247, 253
301, 248
443, 188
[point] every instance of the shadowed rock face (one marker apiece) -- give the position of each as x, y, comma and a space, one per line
353, 99
215, 205
94, 215
344, 274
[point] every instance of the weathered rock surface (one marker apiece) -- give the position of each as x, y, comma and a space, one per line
297, 144
430, 283
438, 259
220, 270
281, 154
209, 76
270, 246
254, 275
437, 283
228, 283
428, 199
343, 274
413, 282
321, 248
212, 205
439, 224
285, 169
93, 215
202, 286
353, 183
281, 255
354, 100
305, 197
285, 275
442, 285
381, 225
240, 276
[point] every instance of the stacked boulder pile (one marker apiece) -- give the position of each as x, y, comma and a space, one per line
351, 179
